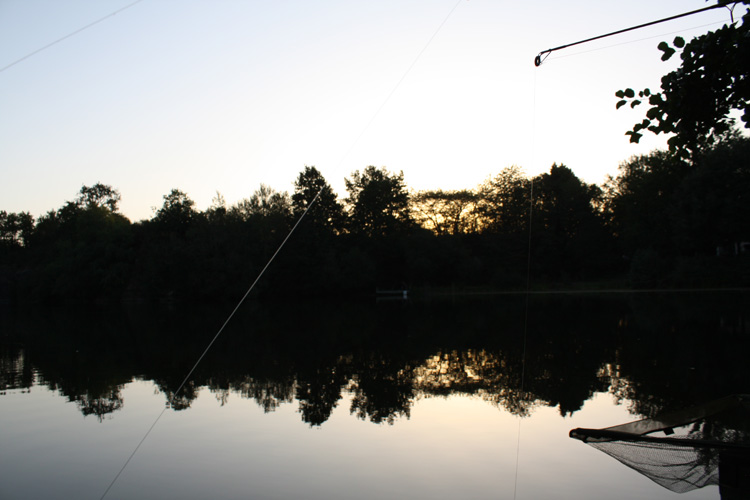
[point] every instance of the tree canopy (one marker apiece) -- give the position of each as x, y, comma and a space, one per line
446, 212
327, 212
661, 220
177, 211
99, 195
697, 100
378, 201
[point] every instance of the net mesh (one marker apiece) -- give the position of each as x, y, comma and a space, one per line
677, 468
685, 450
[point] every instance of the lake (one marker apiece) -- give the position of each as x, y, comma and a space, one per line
441, 398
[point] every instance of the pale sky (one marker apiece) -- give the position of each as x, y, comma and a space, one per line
223, 95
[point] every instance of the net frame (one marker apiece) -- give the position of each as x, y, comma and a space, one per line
686, 462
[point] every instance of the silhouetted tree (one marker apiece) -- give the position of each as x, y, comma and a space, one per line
98, 195
569, 239
177, 212
265, 202
327, 212
15, 228
638, 201
378, 202
504, 202
711, 207
670, 215
445, 212
81, 251
218, 209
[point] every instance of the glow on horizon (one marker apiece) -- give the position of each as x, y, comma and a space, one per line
224, 96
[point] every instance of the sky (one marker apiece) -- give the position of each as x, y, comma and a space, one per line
223, 95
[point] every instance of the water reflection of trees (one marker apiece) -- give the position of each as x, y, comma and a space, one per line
101, 405
492, 376
675, 351
15, 373
657, 353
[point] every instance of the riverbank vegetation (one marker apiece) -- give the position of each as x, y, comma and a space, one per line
676, 218
662, 221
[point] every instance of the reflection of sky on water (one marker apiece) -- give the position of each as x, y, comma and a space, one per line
274, 412
450, 447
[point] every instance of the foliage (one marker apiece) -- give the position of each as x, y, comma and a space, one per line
265, 202
445, 212
637, 201
177, 212
80, 252
378, 202
327, 212
663, 209
569, 236
504, 202
696, 100
15, 228
218, 209
711, 206
660, 221
99, 195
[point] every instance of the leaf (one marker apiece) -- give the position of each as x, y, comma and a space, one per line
629, 93
634, 136
667, 54
620, 104
634, 103
620, 94
640, 126
679, 42
668, 51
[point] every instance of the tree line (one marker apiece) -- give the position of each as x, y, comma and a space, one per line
662, 220
669, 218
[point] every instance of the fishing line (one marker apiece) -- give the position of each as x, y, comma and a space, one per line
208, 347
398, 84
528, 286
538, 60
30, 54
247, 293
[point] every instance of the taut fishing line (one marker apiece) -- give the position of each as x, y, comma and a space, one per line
208, 347
252, 286
528, 286
398, 84
30, 54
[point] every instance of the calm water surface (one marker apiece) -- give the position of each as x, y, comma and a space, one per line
448, 398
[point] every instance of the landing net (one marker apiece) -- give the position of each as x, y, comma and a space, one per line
685, 450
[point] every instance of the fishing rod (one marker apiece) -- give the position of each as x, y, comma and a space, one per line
538, 60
